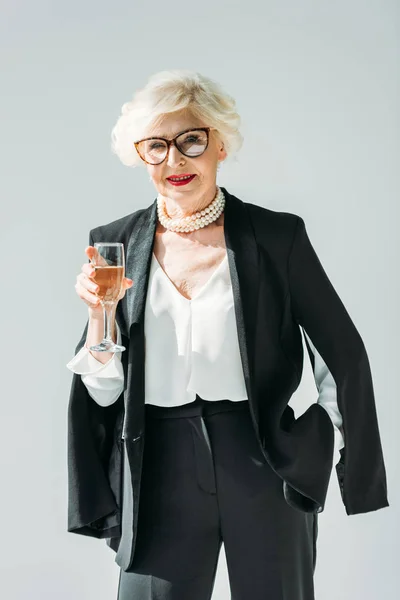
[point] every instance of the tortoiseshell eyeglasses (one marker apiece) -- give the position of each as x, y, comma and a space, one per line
190, 142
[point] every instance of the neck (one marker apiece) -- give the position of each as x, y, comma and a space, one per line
177, 209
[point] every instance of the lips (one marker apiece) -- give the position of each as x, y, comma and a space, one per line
183, 179
185, 175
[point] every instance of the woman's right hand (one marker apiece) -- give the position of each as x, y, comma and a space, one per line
86, 287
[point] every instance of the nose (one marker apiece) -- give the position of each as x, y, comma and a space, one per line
175, 157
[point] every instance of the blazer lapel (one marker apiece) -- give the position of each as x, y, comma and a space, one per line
243, 263
137, 264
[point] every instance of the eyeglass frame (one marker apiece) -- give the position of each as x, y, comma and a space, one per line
172, 141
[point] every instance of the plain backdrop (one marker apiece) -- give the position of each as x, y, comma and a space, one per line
317, 86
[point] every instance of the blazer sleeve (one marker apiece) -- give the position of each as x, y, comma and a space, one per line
93, 460
317, 308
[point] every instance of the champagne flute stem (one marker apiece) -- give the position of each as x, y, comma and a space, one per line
109, 316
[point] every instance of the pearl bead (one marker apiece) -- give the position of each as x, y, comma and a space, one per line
196, 221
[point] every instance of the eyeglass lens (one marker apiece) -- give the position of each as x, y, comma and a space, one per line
192, 143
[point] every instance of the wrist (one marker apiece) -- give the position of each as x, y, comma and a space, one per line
96, 315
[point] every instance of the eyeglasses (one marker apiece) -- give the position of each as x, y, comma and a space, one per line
191, 143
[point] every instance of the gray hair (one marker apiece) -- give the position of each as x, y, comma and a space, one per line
170, 91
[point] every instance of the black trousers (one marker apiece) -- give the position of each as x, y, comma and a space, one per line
204, 482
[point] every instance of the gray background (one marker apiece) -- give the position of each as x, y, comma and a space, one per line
317, 85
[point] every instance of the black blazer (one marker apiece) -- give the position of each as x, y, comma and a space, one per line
279, 286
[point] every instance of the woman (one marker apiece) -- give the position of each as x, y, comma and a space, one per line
186, 439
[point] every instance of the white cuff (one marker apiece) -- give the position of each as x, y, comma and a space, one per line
84, 363
105, 390
336, 422
338, 444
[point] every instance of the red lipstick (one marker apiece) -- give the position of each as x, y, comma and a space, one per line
176, 180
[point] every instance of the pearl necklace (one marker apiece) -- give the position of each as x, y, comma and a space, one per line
197, 220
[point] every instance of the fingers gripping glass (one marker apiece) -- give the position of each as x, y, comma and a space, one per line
109, 265
191, 143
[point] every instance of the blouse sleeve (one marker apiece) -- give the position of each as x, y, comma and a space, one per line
327, 394
104, 381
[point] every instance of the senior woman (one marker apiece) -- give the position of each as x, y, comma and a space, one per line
186, 440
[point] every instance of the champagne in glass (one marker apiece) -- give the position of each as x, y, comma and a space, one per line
109, 266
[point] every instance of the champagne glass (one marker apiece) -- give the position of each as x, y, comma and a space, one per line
109, 266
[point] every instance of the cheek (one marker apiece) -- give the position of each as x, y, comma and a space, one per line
154, 174
206, 165
210, 166
157, 178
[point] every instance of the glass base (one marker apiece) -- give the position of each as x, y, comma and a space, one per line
106, 346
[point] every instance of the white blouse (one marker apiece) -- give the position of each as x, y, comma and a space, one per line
191, 347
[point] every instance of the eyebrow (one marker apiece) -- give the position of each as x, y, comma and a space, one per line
158, 136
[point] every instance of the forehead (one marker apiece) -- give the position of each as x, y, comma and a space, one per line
170, 125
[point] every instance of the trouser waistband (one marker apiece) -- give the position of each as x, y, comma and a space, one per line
198, 407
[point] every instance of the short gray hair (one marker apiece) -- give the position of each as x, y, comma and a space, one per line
169, 91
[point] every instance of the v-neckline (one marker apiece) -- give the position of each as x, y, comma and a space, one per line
201, 289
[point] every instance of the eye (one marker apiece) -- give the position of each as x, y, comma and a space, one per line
156, 145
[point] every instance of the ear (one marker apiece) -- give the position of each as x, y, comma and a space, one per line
222, 154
